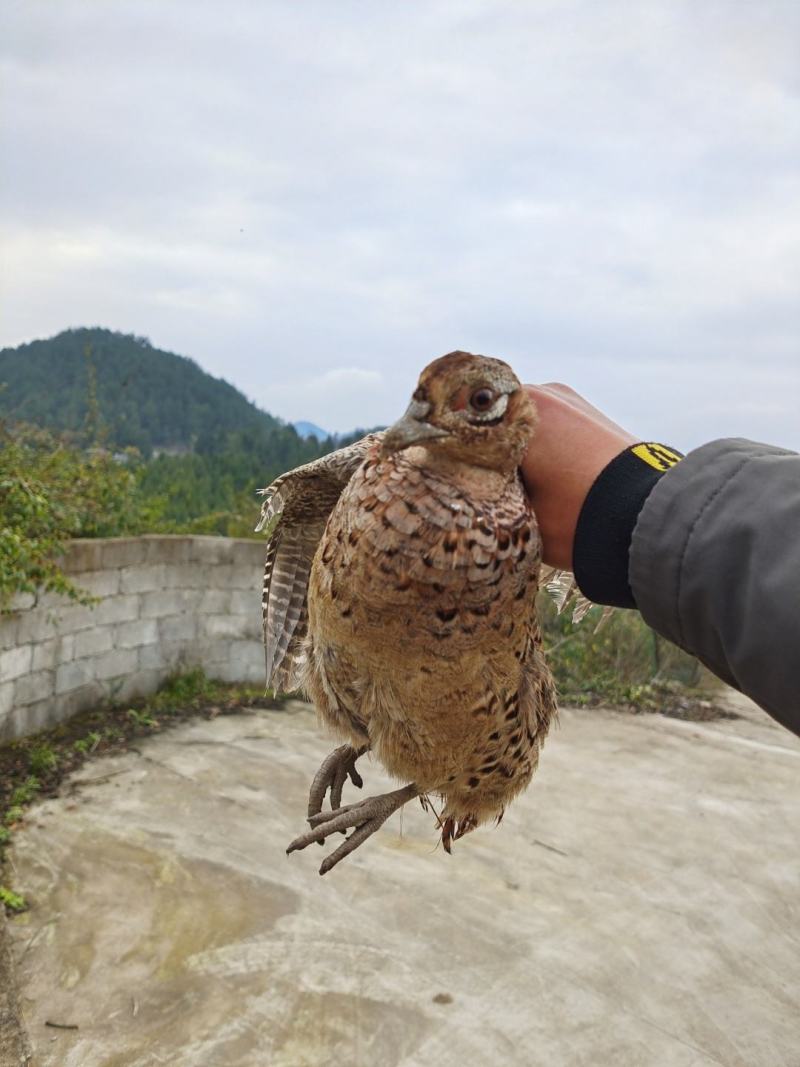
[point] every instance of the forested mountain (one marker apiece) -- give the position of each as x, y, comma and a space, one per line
206, 447
143, 397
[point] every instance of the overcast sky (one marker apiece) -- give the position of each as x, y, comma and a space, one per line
314, 199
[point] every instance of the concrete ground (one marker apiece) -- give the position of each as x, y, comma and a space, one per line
639, 906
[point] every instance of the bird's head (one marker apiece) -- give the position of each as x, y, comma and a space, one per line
468, 408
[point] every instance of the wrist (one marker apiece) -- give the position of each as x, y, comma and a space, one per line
607, 518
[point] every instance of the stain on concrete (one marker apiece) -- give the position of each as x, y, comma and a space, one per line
120, 964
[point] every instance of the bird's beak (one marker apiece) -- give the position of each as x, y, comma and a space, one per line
411, 429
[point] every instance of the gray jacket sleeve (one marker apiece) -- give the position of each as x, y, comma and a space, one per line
714, 566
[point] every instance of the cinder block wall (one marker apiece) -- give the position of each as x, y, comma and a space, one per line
164, 604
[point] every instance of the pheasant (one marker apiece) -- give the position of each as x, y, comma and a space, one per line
400, 596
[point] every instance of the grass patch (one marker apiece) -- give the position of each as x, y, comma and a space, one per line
43, 758
13, 901
25, 792
35, 766
12, 815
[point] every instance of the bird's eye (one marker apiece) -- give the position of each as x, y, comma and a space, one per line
482, 399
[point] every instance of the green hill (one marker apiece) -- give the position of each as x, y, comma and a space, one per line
207, 447
146, 398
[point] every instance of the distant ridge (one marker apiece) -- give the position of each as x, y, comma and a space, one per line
310, 429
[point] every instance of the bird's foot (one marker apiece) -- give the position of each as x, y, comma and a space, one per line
334, 772
364, 818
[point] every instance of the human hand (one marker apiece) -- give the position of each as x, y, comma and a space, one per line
572, 444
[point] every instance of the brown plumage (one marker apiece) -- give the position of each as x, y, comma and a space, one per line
400, 595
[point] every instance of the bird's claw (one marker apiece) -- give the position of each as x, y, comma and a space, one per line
364, 818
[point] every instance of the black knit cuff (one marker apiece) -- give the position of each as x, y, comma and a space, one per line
608, 516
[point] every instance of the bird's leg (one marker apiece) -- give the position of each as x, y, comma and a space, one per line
332, 775
364, 818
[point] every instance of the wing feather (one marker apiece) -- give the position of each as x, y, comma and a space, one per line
288, 585
295, 510
563, 588
288, 676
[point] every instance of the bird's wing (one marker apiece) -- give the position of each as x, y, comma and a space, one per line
294, 512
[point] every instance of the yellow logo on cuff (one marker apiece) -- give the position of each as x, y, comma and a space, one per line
656, 455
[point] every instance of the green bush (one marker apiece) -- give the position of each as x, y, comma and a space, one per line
621, 662
51, 491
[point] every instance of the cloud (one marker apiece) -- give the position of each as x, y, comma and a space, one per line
285, 192
343, 379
